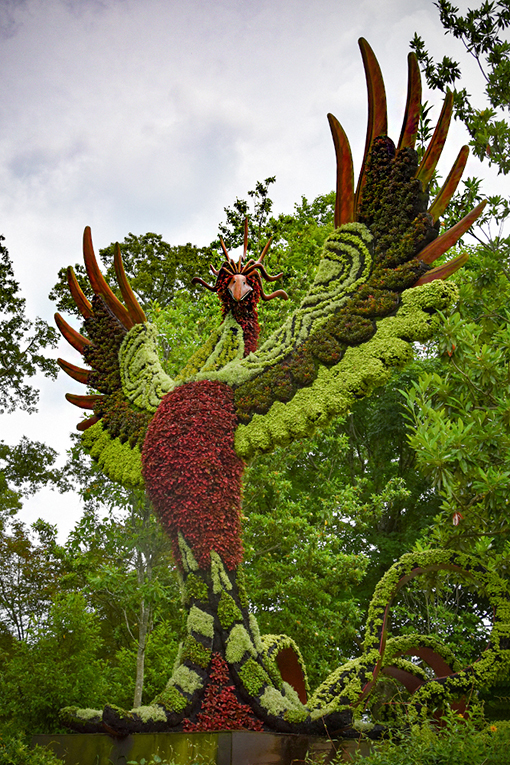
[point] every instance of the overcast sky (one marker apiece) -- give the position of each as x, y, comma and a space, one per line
153, 116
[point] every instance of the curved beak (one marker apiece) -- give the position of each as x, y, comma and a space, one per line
239, 287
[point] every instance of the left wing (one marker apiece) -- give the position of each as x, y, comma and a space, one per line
121, 349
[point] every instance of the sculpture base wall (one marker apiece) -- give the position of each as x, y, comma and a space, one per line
218, 748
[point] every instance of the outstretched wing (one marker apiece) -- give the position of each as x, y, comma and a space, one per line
360, 316
121, 351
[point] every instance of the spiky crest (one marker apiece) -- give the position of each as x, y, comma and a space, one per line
353, 205
250, 268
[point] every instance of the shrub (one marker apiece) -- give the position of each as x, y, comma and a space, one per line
15, 751
458, 741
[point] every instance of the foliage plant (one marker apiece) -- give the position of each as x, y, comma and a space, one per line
15, 750
463, 740
459, 412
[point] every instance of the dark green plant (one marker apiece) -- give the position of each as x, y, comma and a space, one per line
457, 740
58, 661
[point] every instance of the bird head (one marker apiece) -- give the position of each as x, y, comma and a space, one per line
241, 281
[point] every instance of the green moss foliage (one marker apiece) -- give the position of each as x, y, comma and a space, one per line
228, 612
199, 358
238, 644
196, 653
360, 370
117, 460
229, 346
273, 645
220, 577
144, 382
495, 660
172, 700
201, 622
285, 703
153, 713
183, 681
195, 588
188, 560
253, 677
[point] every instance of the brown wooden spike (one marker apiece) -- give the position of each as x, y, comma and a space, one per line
99, 284
265, 250
198, 280
79, 298
442, 200
444, 271
135, 310
435, 147
245, 243
259, 267
377, 117
224, 249
84, 402
412, 113
278, 293
77, 373
71, 335
344, 201
85, 424
439, 246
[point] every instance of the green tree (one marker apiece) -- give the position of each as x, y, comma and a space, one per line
460, 413
121, 559
156, 270
22, 344
30, 570
24, 469
480, 32
56, 665
27, 466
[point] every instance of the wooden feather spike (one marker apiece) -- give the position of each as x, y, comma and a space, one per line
71, 335
435, 147
77, 373
443, 243
84, 402
444, 271
79, 298
377, 123
134, 308
449, 187
99, 283
87, 423
344, 202
413, 105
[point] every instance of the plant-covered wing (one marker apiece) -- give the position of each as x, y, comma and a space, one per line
121, 351
360, 316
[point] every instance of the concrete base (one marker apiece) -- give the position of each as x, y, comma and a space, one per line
221, 748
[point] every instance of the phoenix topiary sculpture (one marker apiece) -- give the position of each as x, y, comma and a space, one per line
186, 440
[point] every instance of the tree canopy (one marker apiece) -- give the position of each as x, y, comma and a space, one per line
22, 344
